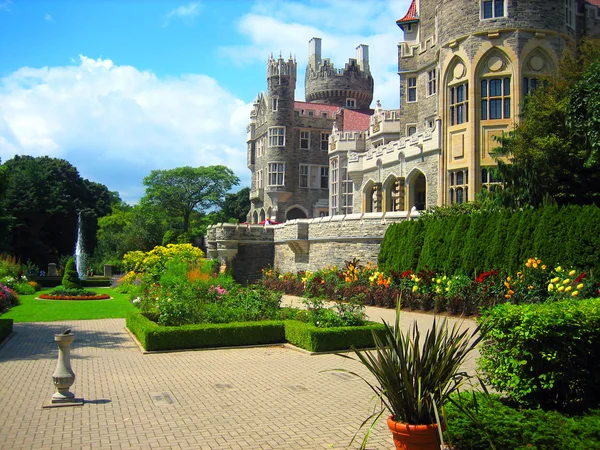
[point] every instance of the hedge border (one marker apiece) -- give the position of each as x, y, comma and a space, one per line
319, 340
6, 328
153, 337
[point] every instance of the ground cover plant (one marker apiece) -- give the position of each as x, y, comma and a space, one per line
31, 309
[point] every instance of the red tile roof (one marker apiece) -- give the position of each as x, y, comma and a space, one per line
594, 2
318, 108
411, 16
355, 120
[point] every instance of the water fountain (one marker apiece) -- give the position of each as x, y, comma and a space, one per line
80, 256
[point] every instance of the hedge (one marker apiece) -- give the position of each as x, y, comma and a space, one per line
155, 337
315, 339
544, 355
480, 241
516, 428
50, 282
6, 326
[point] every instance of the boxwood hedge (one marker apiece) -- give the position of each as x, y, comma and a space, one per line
6, 326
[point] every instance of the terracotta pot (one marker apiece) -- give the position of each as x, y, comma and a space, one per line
414, 437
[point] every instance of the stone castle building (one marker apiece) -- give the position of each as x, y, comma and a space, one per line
460, 89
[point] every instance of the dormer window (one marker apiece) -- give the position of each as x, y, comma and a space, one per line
350, 103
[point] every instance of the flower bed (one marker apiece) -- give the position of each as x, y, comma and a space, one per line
74, 297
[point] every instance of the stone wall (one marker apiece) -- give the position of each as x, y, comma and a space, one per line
297, 245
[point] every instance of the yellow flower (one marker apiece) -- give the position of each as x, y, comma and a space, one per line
572, 273
568, 289
415, 288
535, 265
561, 288
544, 267
438, 281
566, 281
555, 280
580, 286
530, 287
558, 269
574, 294
508, 279
550, 287
528, 264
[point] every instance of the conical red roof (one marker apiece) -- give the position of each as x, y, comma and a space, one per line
411, 16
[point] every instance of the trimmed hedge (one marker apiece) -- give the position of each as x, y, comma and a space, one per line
155, 337
544, 355
515, 428
50, 282
6, 326
315, 339
480, 241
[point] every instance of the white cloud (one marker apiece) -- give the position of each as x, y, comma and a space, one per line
185, 12
274, 26
115, 123
48, 18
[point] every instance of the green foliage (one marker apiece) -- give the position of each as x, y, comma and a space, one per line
44, 196
512, 428
342, 314
182, 190
488, 240
317, 339
9, 266
236, 206
71, 278
62, 290
6, 326
154, 337
545, 355
414, 377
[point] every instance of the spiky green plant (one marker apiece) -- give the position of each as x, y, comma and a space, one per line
415, 376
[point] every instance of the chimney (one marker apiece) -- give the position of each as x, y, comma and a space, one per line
362, 56
314, 52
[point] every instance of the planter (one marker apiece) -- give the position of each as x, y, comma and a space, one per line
414, 437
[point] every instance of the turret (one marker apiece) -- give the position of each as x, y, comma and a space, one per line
351, 87
281, 82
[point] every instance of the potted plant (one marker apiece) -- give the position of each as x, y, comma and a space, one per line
415, 377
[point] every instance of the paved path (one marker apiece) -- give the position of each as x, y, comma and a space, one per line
253, 398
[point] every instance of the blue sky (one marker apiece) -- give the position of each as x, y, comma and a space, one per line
119, 88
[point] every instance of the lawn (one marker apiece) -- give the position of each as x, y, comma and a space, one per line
32, 310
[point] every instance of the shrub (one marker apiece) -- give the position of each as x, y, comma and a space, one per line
71, 278
8, 298
509, 427
9, 266
317, 339
545, 355
6, 326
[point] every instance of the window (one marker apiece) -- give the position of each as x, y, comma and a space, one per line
275, 103
276, 174
411, 129
276, 136
529, 85
324, 141
350, 103
431, 82
459, 179
314, 177
347, 189
488, 179
459, 104
259, 179
305, 140
260, 146
491, 9
495, 98
569, 13
334, 186
412, 89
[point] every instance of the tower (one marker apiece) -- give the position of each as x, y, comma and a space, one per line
351, 87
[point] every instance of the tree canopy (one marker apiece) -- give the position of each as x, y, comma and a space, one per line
44, 197
182, 190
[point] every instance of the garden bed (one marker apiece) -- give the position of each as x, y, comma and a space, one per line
154, 337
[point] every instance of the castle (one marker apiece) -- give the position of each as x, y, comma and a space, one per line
460, 89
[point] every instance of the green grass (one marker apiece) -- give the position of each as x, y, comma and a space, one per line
32, 310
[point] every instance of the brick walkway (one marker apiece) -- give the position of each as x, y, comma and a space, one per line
253, 398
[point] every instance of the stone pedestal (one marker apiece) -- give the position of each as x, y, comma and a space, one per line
63, 376
52, 270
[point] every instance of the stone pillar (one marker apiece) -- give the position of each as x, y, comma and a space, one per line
109, 270
52, 270
377, 197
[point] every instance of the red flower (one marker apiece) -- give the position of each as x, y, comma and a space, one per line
579, 278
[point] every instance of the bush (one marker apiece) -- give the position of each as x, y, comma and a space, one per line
8, 298
514, 428
316, 339
155, 337
545, 355
71, 278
